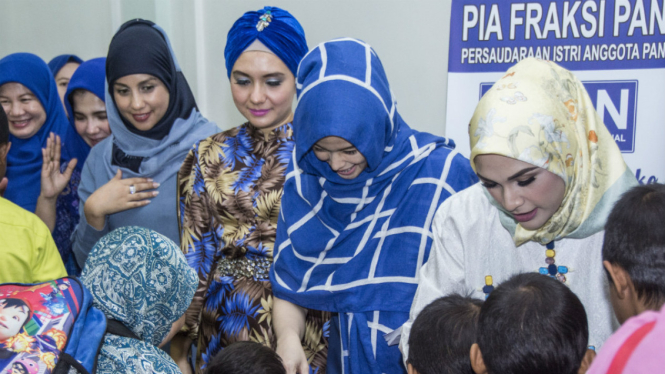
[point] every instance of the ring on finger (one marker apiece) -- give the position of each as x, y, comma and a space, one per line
132, 189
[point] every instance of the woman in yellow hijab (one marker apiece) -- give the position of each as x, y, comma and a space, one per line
550, 173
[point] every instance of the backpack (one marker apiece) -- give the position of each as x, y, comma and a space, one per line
51, 327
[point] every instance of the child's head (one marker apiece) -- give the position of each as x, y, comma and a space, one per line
531, 323
442, 335
14, 313
634, 251
246, 358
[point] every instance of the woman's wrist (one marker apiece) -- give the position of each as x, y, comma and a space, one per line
95, 219
49, 200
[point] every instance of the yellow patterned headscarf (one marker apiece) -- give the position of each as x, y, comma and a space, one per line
541, 114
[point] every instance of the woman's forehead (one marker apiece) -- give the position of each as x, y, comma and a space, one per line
334, 143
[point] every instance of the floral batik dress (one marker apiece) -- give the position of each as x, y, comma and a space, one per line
230, 188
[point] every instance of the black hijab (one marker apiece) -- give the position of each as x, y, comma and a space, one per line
139, 48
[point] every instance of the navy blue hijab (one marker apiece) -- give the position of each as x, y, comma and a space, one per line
24, 161
139, 48
276, 28
59, 61
90, 76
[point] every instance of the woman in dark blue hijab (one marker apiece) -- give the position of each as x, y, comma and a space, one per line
63, 68
87, 116
29, 96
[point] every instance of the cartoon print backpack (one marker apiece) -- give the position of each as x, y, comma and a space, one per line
51, 327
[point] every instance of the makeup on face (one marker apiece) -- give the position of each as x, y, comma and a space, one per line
142, 99
529, 193
263, 89
25, 113
342, 156
90, 117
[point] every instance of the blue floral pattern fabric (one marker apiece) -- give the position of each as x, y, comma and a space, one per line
229, 189
140, 278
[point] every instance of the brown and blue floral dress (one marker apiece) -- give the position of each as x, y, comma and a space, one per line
229, 192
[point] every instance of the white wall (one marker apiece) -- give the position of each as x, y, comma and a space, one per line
410, 37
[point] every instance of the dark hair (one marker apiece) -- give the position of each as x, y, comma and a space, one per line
4, 127
635, 240
16, 303
442, 335
246, 358
532, 323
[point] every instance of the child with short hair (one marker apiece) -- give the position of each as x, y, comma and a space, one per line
634, 251
246, 357
442, 335
531, 323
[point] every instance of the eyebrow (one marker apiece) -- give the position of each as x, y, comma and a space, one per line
269, 75
140, 83
514, 176
339, 150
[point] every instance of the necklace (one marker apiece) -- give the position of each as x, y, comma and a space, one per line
552, 270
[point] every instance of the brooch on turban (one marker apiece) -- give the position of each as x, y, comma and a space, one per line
264, 21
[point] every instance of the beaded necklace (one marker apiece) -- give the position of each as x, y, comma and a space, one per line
552, 270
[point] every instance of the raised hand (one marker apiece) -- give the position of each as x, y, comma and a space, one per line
53, 181
118, 195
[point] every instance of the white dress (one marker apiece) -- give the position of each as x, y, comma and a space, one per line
470, 243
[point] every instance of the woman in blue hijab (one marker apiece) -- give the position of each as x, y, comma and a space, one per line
130, 177
29, 96
140, 279
87, 116
361, 190
229, 191
63, 67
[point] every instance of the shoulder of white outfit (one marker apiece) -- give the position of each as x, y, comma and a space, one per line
470, 204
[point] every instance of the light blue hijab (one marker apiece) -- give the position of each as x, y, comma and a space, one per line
140, 278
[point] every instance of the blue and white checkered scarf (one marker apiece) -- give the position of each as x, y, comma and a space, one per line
358, 245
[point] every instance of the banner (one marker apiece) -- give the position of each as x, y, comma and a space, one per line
615, 47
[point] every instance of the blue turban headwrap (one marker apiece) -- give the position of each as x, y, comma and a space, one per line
283, 35
59, 61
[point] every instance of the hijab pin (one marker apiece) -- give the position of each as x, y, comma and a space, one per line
264, 21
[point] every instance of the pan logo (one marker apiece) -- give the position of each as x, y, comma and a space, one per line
616, 103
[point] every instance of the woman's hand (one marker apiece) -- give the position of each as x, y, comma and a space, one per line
53, 181
289, 325
293, 356
116, 196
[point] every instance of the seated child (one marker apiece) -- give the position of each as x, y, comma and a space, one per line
27, 250
139, 279
634, 251
246, 357
442, 335
531, 323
